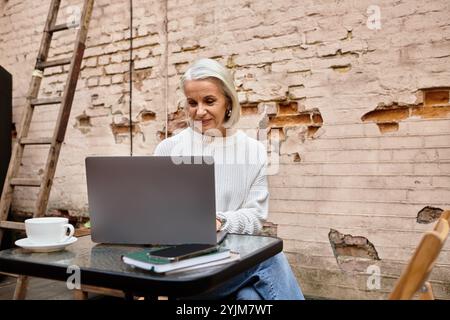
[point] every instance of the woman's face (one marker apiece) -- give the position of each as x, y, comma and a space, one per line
206, 104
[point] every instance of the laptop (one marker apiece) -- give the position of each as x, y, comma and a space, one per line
152, 200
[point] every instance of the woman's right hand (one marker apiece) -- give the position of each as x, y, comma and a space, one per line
218, 225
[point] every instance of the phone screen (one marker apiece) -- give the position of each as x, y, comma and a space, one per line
184, 250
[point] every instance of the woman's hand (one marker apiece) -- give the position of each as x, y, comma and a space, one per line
218, 225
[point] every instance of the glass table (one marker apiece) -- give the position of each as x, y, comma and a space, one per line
100, 265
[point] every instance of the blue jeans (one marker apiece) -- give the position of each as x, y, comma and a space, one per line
270, 280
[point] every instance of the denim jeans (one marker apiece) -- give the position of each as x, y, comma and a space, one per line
270, 280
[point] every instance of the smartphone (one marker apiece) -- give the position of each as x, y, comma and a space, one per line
183, 251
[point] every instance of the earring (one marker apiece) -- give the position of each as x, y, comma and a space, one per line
229, 112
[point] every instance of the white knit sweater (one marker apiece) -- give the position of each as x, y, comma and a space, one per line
242, 196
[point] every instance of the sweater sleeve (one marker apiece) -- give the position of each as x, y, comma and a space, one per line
162, 149
249, 218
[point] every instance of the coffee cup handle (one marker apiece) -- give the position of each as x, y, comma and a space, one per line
71, 231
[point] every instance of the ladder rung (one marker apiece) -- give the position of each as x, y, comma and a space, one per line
12, 225
9, 274
36, 141
54, 63
63, 26
26, 182
41, 102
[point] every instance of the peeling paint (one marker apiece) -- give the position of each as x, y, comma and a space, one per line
342, 68
436, 97
290, 115
388, 127
249, 109
287, 108
353, 246
435, 104
146, 116
387, 113
291, 120
297, 157
312, 130
83, 123
429, 214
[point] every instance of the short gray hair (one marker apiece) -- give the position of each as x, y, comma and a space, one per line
207, 68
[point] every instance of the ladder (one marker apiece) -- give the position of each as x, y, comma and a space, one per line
55, 142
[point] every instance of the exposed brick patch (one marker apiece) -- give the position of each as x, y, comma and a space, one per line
429, 214
312, 130
146, 116
269, 229
289, 116
286, 115
287, 108
317, 117
352, 246
436, 96
387, 113
342, 68
249, 109
435, 104
121, 130
297, 157
303, 118
388, 127
430, 112
83, 123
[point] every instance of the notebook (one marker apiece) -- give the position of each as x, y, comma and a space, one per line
142, 260
234, 256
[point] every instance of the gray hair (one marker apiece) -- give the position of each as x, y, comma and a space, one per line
207, 68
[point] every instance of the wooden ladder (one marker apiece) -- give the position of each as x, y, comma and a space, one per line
55, 142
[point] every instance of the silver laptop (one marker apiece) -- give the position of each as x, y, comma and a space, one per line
152, 200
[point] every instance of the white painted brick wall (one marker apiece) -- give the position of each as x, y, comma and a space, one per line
352, 178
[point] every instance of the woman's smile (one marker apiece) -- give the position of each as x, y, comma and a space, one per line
206, 122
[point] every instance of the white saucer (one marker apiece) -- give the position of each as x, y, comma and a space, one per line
51, 247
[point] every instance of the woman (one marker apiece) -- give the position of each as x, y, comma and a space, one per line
241, 184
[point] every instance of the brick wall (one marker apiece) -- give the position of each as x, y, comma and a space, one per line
362, 110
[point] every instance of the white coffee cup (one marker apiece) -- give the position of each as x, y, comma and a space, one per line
48, 230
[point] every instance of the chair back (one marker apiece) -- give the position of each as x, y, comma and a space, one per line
421, 264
